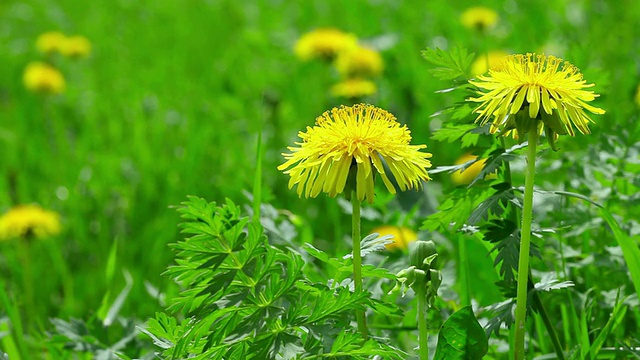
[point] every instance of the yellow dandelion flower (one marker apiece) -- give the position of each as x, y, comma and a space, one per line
539, 90
50, 42
76, 47
342, 147
479, 18
323, 43
469, 174
354, 88
359, 61
637, 97
402, 236
29, 220
493, 60
43, 78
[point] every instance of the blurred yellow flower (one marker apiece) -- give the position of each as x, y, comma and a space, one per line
479, 18
637, 97
547, 83
76, 47
29, 220
323, 43
347, 147
50, 42
43, 78
469, 174
359, 61
354, 88
402, 236
493, 60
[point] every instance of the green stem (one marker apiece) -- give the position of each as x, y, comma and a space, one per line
465, 291
357, 260
525, 243
423, 339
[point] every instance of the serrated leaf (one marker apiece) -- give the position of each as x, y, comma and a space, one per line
461, 337
371, 243
449, 65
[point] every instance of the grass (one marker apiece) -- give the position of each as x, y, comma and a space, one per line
172, 99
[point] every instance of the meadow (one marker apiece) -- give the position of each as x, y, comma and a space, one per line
169, 229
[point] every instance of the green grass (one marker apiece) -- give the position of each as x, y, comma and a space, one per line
193, 97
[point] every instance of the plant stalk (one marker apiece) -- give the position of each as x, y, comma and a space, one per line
357, 260
525, 244
423, 339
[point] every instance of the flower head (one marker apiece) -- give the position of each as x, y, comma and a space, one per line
539, 90
76, 47
402, 236
323, 43
359, 61
354, 88
637, 96
492, 61
43, 78
50, 42
29, 220
479, 18
466, 176
350, 143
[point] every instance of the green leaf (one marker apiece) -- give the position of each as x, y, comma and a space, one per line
461, 337
462, 132
449, 65
629, 248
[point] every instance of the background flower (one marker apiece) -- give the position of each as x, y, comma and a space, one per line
50, 42
323, 43
479, 18
354, 88
359, 61
402, 236
25, 220
493, 60
43, 78
76, 47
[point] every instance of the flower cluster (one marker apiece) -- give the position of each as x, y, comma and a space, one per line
355, 62
43, 77
25, 221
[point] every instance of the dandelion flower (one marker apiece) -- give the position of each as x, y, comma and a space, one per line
493, 60
323, 43
539, 90
402, 236
348, 145
29, 220
76, 47
466, 176
479, 18
354, 88
43, 78
359, 61
50, 42
637, 97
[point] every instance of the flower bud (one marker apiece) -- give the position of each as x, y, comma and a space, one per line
423, 255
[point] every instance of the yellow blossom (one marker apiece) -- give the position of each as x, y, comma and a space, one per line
359, 61
354, 88
323, 43
50, 42
493, 60
534, 90
345, 149
76, 47
466, 176
479, 18
29, 220
43, 78
637, 97
402, 236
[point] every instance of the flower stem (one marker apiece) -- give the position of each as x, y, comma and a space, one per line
525, 243
357, 260
423, 339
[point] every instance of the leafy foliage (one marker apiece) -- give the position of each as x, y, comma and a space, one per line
246, 299
449, 64
461, 337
